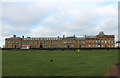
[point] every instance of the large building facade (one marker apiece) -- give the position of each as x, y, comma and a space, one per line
99, 41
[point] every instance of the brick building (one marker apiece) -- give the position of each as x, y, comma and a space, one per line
99, 41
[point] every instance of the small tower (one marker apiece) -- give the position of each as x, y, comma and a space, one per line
101, 33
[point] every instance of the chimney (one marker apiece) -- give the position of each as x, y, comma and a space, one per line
14, 35
58, 36
22, 36
74, 35
63, 36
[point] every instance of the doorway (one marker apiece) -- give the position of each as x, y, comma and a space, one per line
40, 46
15, 46
80, 46
68, 46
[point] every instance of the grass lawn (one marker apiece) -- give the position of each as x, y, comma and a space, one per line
66, 63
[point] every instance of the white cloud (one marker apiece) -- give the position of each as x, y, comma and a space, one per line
111, 26
58, 17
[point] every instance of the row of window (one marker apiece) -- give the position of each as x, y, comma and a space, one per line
27, 42
37, 46
101, 41
99, 46
42, 39
32, 46
90, 41
13, 46
80, 42
13, 42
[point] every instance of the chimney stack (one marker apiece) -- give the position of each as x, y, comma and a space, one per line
74, 35
58, 36
14, 35
22, 36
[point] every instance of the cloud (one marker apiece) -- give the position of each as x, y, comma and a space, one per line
58, 17
111, 25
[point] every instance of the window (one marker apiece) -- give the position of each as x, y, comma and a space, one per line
89, 41
92, 41
71, 41
96, 41
71, 45
80, 42
89, 45
108, 41
68, 41
8, 46
102, 41
64, 41
65, 46
102, 45
44, 46
92, 45
105, 41
83, 46
8, 42
111, 41
83, 42
112, 46
96, 45
41, 42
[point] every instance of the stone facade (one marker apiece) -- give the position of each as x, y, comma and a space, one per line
99, 41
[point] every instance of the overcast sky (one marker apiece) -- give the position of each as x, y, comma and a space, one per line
36, 18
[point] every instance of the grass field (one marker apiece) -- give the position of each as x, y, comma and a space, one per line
66, 63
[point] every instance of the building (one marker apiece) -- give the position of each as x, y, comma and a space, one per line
117, 44
99, 41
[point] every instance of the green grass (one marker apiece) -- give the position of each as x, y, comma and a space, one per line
66, 63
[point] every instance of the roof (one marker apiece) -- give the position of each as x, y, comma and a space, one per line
105, 36
71, 37
80, 38
90, 36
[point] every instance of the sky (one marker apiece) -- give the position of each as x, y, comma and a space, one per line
52, 18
